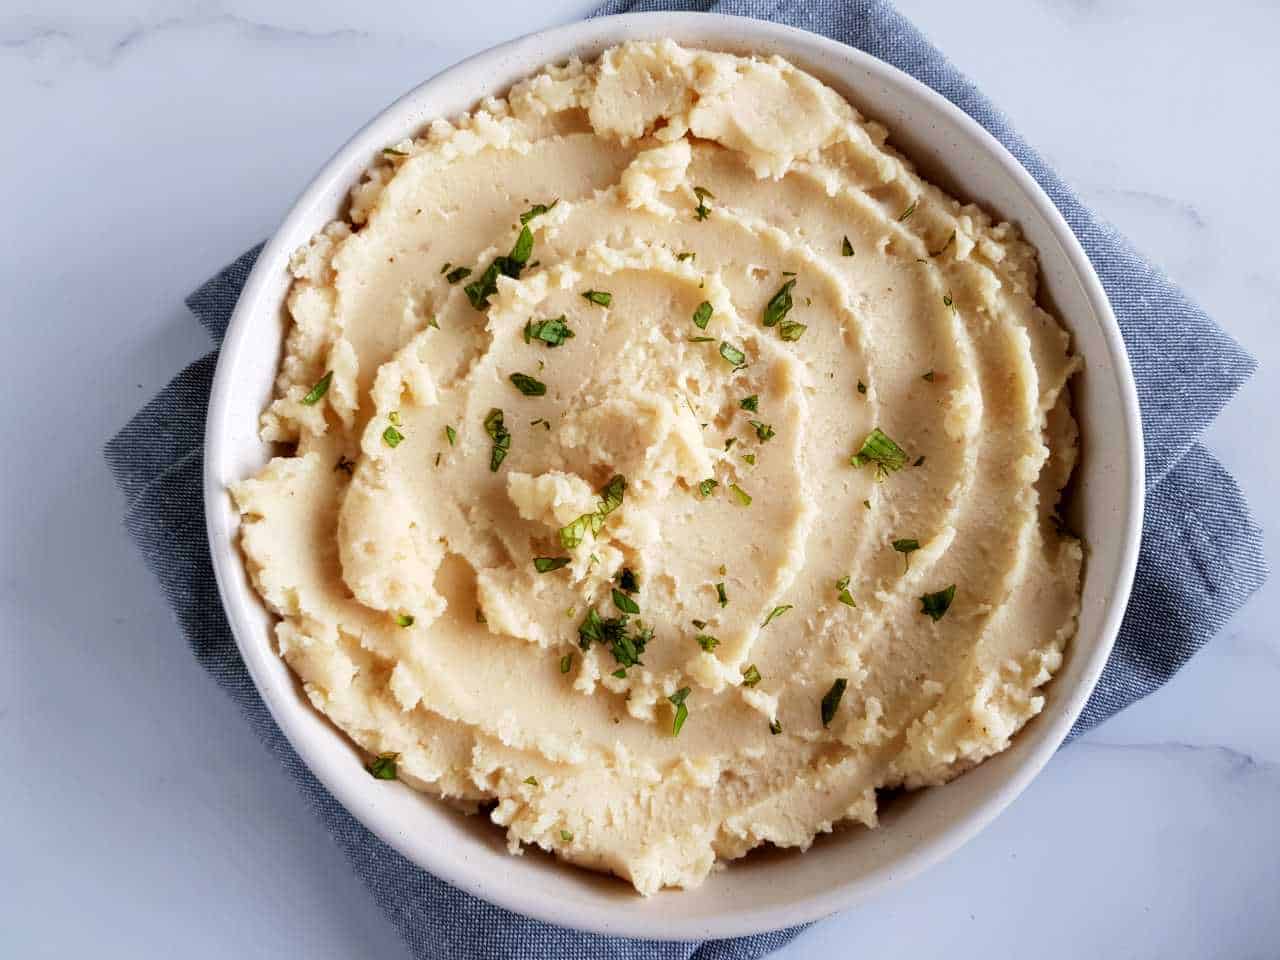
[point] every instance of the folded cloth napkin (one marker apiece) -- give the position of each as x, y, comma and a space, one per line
1201, 553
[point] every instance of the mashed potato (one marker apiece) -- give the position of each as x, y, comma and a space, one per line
672, 467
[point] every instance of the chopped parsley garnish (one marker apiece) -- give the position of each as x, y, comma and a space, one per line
545, 423
537, 210
763, 430
699, 624
937, 604
775, 727
686, 255
501, 437
702, 211
393, 153
779, 305
928, 377
701, 339
682, 712
729, 443
528, 386
566, 663
877, 448
942, 249
445, 268
566, 836
862, 387
394, 417
906, 214
624, 603
846, 248
751, 403
438, 455
319, 390
844, 595
433, 322
831, 702
906, 547
732, 354
451, 435
547, 564
792, 331
531, 781
702, 316
707, 487
599, 297
721, 596
392, 437
404, 619
610, 499
552, 332
775, 613
707, 642
628, 581
459, 273
947, 301
740, 495
919, 461
383, 766
867, 504
750, 676
479, 291
625, 647
750, 458
620, 673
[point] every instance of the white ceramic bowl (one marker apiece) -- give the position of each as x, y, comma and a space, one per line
769, 889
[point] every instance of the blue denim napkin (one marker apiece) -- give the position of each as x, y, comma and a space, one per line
1200, 560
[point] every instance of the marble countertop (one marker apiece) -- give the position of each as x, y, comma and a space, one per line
149, 142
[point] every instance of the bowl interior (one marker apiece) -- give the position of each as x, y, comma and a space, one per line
769, 889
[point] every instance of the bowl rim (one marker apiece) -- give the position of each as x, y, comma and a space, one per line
687, 27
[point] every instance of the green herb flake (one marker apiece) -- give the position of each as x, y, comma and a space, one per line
479, 291
750, 458
702, 211
383, 766
624, 603
552, 332
831, 701
844, 596
906, 214
919, 461
702, 316
566, 836
392, 437
599, 297
699, 624
547, 564
531, 781
792, 331
566, 663
879, 449
611, 495
685, 255
750, 676
700, 339
460, 273
707, 642
862, 387
528, 385
394, 417
846, 248
729, 443
937, 604
628, 581
906, 547
775, 613
775, 727
732, 354
721, 596
451, 435
947, 301
445, 268
537, 210
740, 495
392, 153
707, 487
764, 431
620, 673
319, 390
501, 436
928, 377
682, 711
779, 304
404, 619
751, 403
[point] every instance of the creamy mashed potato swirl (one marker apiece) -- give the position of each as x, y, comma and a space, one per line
672, 467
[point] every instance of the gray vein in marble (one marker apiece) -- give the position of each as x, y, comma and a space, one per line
1239, 763
1156, 202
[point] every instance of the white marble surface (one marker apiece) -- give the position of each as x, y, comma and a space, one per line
147, 143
